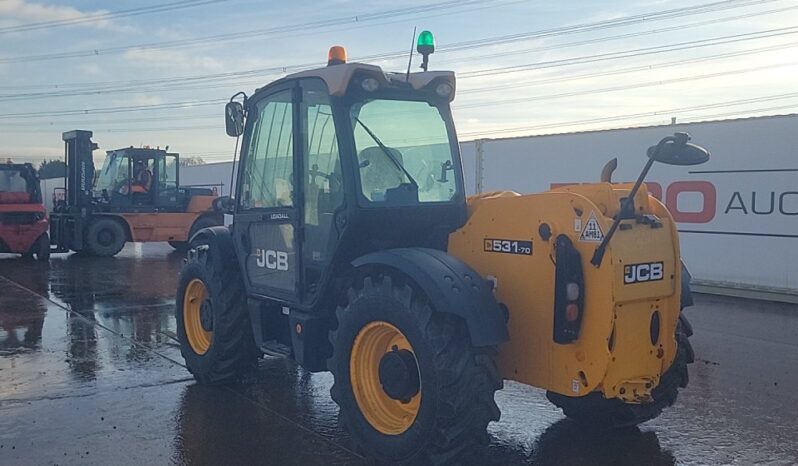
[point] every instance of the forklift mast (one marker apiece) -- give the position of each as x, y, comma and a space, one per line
80, 168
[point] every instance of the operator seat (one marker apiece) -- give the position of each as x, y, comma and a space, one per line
378, 173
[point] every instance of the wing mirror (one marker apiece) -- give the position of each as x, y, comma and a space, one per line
234, 119
671, 150
676, 150
223, 204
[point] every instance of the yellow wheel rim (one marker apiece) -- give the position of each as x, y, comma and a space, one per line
385, 414
198, 338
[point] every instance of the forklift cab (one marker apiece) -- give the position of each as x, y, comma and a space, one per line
19, 184
139, 177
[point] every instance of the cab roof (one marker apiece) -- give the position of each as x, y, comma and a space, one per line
338, 77
136, 152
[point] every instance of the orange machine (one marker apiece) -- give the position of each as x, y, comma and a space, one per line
136, 196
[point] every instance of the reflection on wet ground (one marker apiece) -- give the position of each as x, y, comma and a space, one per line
90, 374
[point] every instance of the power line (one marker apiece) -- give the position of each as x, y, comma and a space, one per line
559, 78
93, 18
477, 73
491, 103
166, 86
578, 28
474, 134
620, 71
594, 41
734, 38
632, 115
102, 121
503, 70
625, 87
121, 109
748, 112
281, 30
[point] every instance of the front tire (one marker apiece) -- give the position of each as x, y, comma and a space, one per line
594, 408
105, 237
213, 323
409, 384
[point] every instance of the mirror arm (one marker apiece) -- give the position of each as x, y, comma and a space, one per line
598, 254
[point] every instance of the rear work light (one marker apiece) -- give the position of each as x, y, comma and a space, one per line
569, 299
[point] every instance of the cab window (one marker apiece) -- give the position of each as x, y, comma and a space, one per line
268, 179
401, 142
322, 182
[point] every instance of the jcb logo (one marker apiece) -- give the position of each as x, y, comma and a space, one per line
270, 259
639, 273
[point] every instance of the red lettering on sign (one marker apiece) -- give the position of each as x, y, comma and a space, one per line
654, 189
707, 191
705, 188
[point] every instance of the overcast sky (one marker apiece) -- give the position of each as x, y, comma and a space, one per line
523, 68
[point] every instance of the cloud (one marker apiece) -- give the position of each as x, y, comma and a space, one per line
173, 60
22, 11
142, 99
32, 153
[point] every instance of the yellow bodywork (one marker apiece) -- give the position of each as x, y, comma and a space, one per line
613, 353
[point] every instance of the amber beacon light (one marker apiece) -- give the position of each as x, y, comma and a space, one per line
336, 55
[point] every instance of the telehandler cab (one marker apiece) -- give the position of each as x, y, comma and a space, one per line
136, 196
354, 249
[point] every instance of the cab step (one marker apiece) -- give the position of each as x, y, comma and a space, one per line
275, 349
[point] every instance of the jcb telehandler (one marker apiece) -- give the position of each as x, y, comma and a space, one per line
354, 250
136, 196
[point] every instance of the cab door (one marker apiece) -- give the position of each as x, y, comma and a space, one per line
165, 185
323, 195
267, 213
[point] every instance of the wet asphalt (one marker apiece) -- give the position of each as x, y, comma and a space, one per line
90, 373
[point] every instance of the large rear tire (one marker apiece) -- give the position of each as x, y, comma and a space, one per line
594, 408
409, 383
213, 323
105, 237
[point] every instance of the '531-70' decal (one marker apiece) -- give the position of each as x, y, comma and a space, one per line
508, 246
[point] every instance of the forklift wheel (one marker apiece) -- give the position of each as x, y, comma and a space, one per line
409, 384
42, 248
213, 323
595, 409
105, 237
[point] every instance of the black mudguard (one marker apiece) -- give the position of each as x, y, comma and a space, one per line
217, 238
451, 286
687, 293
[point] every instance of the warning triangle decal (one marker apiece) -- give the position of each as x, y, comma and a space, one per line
592, 233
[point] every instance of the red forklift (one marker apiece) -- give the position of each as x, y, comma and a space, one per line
23, 217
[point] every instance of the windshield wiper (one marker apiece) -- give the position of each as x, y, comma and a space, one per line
388, 153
